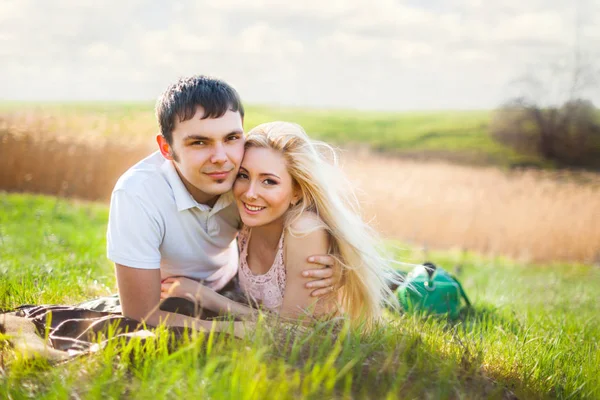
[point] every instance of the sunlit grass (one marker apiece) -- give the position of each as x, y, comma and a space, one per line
534, 330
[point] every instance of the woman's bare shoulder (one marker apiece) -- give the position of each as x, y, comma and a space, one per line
307, 236
308, 221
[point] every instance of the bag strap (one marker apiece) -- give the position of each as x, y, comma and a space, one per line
462, 291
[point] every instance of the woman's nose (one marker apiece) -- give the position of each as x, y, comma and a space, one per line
251, 192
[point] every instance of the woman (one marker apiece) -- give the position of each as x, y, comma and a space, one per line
294, 203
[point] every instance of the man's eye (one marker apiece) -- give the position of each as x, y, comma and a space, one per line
233, 137
198, 143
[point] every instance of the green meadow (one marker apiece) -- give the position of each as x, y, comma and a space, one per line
457, 136
533, 332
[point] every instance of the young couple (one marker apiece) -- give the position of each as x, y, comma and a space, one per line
301, 248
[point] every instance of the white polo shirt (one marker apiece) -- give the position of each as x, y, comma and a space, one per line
155, 223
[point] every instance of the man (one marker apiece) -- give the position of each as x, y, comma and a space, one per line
172, 214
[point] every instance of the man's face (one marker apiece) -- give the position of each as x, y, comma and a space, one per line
207, 153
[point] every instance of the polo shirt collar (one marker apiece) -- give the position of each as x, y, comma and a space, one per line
224, 201
183, 198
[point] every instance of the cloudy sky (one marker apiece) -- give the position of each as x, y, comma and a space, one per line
365, 54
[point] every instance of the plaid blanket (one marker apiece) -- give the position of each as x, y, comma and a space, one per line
61, 332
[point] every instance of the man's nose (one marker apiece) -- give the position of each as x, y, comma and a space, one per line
219, 155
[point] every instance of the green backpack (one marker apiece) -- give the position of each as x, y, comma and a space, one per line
430, 289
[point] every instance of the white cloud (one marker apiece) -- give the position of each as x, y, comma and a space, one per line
355, 53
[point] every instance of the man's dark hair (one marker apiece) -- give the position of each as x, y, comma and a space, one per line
180, 100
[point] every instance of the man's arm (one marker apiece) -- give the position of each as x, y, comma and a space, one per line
134, 235
203, 295
139, 291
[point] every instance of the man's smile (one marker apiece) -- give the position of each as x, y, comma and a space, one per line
218, 174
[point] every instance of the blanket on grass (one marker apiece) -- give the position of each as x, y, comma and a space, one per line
61, 332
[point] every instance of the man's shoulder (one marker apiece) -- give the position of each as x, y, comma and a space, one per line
145, 175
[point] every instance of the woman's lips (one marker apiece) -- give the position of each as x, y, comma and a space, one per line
253, 210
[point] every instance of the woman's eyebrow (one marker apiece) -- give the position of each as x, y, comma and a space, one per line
262, 173
269, 174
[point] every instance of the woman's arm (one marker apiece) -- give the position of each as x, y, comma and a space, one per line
239, 328
297, 298
205, 296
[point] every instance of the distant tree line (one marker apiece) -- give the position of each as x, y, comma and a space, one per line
567, 135
555, 121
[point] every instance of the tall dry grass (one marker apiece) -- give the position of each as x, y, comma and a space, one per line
537, 216
530, 215
34, 157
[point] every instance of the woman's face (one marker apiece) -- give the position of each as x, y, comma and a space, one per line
264, 188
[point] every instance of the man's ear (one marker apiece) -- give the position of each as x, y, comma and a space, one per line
164, 147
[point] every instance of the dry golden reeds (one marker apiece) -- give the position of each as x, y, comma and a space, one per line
530, 215
34, 158
537, 216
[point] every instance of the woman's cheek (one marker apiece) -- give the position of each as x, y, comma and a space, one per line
237, 188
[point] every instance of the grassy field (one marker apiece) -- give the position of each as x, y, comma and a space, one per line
459, 136
534, 331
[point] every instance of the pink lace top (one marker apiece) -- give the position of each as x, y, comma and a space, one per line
267, 288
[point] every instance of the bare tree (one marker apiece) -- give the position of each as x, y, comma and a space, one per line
551, 117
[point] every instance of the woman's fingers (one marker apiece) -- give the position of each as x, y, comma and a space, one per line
167, 288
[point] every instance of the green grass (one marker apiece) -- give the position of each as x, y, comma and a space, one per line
460, 136
534, 331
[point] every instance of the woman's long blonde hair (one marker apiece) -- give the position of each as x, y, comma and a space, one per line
325, 191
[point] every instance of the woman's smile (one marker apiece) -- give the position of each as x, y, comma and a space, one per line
250, 209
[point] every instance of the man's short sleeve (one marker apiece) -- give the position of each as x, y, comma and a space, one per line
134, 232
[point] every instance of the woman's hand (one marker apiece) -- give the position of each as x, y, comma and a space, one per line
242, 328
204, 297
181, 287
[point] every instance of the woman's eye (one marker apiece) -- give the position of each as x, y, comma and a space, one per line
269, 182
242, 175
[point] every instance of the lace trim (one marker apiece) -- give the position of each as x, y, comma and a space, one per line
269, 287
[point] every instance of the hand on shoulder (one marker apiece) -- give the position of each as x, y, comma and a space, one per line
307, 237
